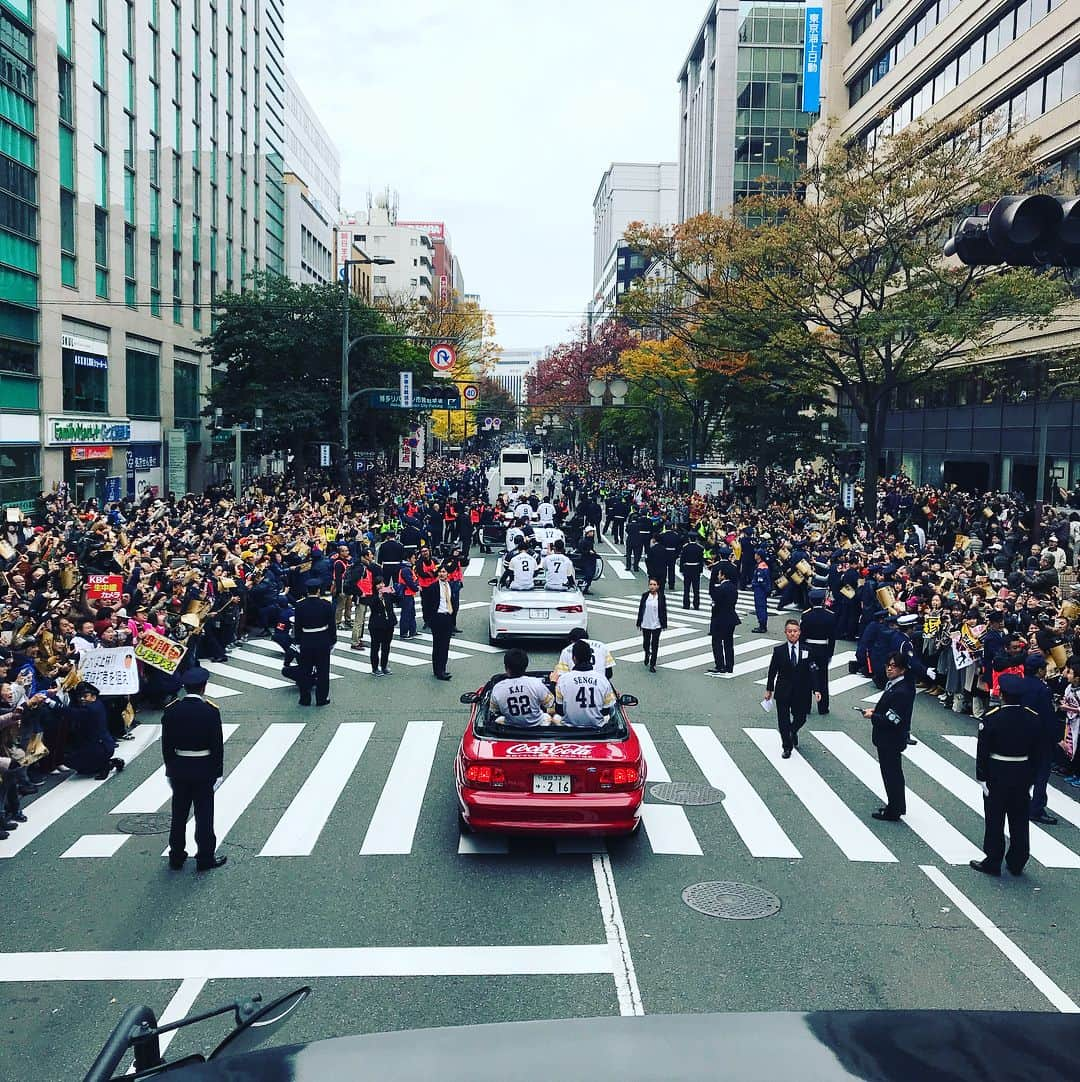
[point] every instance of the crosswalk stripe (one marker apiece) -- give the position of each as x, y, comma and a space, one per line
837, 661
467, 644
1058, 802
754, 664
654, 765
255, 658
95, 845
847, 683
635, 640
616, 560
603, 609
851, 834
669, 830
362, 666
425, 649
246, 779
154, 793
73, 790
930, 825
299, 828
666, 649
220, 691
393, 825
258, 679
746, 647
474, 569
1046, 850
755, 824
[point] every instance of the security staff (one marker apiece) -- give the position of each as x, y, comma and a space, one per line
314, 630
819, 638
637, 536
891, 716
1005, 768
761, 582
691, 563
724, 591
617, 508
671, 541
192, 748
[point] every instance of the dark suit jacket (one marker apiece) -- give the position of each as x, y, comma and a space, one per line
724, 617
192, 724
314, 612
661, 608
790, 684
892, 716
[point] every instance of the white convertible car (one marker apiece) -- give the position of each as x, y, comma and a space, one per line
536, 613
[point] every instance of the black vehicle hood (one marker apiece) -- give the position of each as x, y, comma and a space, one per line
826, 1046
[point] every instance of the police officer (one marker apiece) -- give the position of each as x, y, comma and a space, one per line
819, 638
891, 716
616, 517
192, 748
671, 541
314, 629
1005, 768
691, 563
637, 536
761, 583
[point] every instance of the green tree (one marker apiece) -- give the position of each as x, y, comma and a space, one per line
277, 346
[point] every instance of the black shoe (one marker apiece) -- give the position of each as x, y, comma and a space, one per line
117, 764
787, 753
443, 676
18, 817
102, 775
176, 865
986, 869
645, 662
29, 790
822, 713
911, 741
1016, 872
216, 862
4, 835
652, 668
885, 816
305, 702
1046, 818
375, 672
758, 630
456, 631
10, 824
386, 672
322, 702
713, 672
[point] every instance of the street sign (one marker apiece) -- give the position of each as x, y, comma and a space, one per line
405, 389
432, 398
486, 425
324, 454
496, 423
442, 357
470, 394
847, 491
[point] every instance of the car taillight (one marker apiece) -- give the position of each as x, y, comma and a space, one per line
508, 608
619, 776
478, 774
570, 608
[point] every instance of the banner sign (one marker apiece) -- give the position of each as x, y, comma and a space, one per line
177, 442
811, 93
112, 670
105, 589
158, 651
447, 399
90, 454
87, 430
143, 456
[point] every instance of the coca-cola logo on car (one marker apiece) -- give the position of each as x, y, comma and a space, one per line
553, 750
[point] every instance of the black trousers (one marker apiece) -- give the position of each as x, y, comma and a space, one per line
723, 650
789, 720
691, 585
380, 646
892, 774
671, 558
1011, 802
314, 672
616, 525
185, 795
650, 641
442, 624
634, 551
821, 657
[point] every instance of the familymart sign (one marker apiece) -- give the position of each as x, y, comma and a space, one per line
62, 431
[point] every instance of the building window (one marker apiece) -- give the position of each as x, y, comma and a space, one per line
143, 384
86, 382
185, 391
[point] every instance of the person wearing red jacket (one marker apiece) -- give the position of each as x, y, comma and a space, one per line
427, 575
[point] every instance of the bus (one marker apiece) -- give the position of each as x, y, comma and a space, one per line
522, 468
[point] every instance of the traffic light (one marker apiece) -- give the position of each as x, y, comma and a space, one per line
1023, 231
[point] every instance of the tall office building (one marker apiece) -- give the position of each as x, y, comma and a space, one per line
140, 166
1018, 61
747, 95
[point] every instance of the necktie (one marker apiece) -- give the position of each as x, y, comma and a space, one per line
794, 660
446, 595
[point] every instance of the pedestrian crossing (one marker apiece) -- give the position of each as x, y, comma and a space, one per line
771, 808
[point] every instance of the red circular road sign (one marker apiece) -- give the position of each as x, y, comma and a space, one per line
442, 357
470, 392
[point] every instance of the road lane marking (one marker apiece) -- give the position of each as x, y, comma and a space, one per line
1027, 967
246, 779
654, 765
749, 646
474, 569
219, 691
1046, 850
264, 661
755, 824
359, 666
467, 644
622, 964
668, 648
669, 830
928, 824
754, 664
43, 812
299, 828
635, 640
855, 839
245, 677
96, 845
393, 825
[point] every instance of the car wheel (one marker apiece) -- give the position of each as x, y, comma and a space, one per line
493, 640
463, 826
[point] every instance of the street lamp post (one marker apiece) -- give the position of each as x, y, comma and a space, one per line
1040, 478
618, 389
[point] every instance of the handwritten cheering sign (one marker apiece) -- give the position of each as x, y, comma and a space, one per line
112, 670
158, 651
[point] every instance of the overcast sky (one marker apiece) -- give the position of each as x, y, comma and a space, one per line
498, 117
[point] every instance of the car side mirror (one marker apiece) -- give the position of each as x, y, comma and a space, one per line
469, 697
628, 700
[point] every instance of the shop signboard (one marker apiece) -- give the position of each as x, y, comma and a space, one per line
90, 454
177, 440
63, 430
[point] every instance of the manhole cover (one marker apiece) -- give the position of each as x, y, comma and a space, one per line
732, 901
144, 824
686, 792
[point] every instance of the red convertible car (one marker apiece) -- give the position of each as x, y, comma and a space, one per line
548, 778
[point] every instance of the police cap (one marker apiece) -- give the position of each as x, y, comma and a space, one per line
195, 677
1011, 685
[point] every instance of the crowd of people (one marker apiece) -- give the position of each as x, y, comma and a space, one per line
955, 581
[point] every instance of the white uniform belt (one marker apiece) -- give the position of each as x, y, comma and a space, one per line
816, 642
305, 630
184, 753
1008, 758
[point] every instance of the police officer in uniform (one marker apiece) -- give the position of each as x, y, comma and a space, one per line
191, 746
819, 638
1005, 768
671, 542
313, 623
762, 584
891, 716
637, 534
691, 563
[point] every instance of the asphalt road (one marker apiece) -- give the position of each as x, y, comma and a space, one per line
346, 869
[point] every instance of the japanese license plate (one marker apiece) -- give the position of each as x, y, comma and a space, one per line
538, 614
551, 783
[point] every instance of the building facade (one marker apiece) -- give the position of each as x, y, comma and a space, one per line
449, 281
1017, 61
410, 274
628, 192
747, 98
140, 152
512, 369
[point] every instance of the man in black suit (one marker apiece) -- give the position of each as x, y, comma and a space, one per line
723, 621
442, 625
891, 716
793, 677
818, 635
313, 621
191, 746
